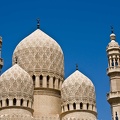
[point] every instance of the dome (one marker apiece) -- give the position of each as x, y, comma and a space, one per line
78, 88
16, 83
39, 52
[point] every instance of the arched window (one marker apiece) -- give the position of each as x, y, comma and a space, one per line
116, 62
21, 102
7, 102
48, 81
81, 105
87, 106
27, 103
53, 82
68, 107
41, 79
74, 106
33, 77
14, 101
112, 62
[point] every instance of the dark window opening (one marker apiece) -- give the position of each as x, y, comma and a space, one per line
7, 102
14, 101
74, 106
81, 105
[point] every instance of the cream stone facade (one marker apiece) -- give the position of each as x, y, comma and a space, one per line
34, 87
113, 71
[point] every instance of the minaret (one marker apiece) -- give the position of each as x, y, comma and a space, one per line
1, 60
113, 71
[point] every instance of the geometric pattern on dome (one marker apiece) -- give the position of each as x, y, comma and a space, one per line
78, 88
16, 83
39, 52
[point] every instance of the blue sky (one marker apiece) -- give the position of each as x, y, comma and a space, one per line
81, 27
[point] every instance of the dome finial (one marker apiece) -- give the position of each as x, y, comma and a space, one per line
76, 66
112, 29
38, 23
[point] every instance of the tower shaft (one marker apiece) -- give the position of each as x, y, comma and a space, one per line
113, 71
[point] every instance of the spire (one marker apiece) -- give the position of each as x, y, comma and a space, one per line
112, 29
112, 35
38, 23
76, 66
1, 60
116, 117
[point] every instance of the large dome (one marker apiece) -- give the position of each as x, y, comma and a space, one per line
16, 83
39, 52
78, 88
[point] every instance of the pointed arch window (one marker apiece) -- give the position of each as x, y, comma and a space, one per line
74, 106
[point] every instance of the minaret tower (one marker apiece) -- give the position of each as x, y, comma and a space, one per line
1, 60
113, 71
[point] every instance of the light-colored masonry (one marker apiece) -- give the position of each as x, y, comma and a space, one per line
34, 87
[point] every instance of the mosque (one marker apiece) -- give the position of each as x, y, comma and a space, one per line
33, 88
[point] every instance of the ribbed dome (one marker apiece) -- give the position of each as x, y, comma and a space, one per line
16, 83
78, 88
39, 52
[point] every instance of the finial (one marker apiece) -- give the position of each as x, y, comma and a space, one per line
112, 29
38, 23
76, 66
16, 60
116, 117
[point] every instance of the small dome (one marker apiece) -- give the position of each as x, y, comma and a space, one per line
78, 88
39, 52
16, 83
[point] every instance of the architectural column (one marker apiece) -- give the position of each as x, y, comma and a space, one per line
3, 103
30, 104
25, 103
65, 107
110, 62
60, 84
44, 81
77, 106
37, 81
71, 106
18, 102
10, 102
90, 107
84, 106
51, 82
114, 61
118, 60
56, 83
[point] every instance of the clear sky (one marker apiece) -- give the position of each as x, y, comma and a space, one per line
81, 27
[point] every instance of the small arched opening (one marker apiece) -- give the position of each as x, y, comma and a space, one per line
68, 107
81, 105
7, 102
14, 101
87, 106
33, 77
74, 106
21, 102
41, 80
53, 82
48, 81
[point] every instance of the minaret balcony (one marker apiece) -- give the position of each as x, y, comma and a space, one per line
113, 96
113, 69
